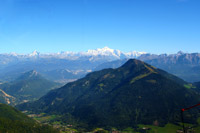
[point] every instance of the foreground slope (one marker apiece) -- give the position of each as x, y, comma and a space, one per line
12, 120
135, 93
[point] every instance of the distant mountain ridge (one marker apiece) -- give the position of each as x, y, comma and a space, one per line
76, 64
29, 86
30, 75
192, 58
93, 55
106, 51
69, 66
183, 65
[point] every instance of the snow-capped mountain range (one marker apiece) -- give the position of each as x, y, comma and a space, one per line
105, 52
61, 65
73, 65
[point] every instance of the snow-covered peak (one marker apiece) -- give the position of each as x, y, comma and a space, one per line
97, 51
34, 53
106, 51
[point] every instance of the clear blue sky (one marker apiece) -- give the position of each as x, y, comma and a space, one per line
155, 26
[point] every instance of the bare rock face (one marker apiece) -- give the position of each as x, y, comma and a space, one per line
6, 98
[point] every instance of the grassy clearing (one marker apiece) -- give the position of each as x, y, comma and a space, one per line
169, 128
189, 86
44, 119
140, 77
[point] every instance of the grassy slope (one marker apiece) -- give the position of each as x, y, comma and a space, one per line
13, 114
12, 120
168, 128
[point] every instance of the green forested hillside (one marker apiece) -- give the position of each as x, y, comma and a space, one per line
13, 121
133, 94
197, 84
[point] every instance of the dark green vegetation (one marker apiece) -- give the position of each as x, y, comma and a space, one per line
13, 121
29, 86
197, 84
133, 94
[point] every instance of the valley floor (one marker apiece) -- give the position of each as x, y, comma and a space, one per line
68, 128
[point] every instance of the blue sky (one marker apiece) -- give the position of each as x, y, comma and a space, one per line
155, 26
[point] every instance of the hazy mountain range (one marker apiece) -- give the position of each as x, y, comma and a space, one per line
69, 66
